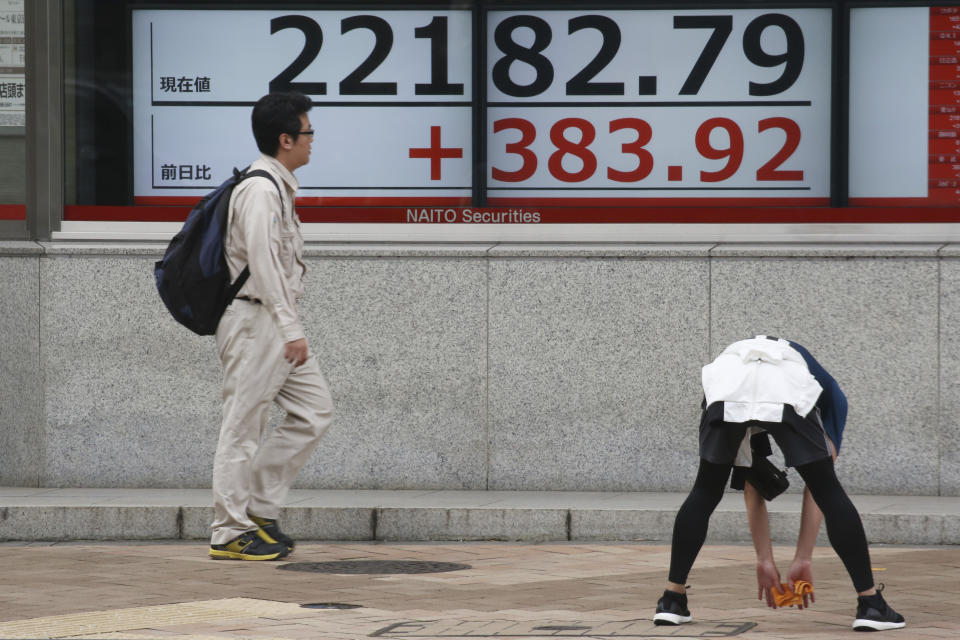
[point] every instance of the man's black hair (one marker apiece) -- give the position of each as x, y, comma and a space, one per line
277, 113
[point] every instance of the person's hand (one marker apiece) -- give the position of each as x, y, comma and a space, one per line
768, 578
801, 570
296, 352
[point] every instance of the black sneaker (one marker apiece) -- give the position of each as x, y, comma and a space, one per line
672, 609
252, 545
874, 614
272, 529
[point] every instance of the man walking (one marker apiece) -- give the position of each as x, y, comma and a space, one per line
765, 382
263, 347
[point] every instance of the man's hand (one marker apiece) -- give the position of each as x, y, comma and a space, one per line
768, 578
801, 570
296, 352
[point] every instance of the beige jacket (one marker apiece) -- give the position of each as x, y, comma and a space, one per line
264, 233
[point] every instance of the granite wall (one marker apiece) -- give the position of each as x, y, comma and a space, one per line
508, 366
21, 387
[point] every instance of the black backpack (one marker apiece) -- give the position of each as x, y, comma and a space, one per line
193, 278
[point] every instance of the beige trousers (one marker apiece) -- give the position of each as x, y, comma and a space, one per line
253, 470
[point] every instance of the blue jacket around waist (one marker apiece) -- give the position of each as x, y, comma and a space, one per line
832, 403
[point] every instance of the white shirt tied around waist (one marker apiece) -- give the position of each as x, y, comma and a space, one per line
755, 378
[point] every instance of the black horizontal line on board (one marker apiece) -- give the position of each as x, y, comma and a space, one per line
721, 103
388, 188
341, 103
409, 103
333, 188
649, 188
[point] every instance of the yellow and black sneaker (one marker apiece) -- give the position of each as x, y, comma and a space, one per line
252, 545
270, 527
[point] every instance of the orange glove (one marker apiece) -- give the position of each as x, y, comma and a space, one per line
784, 597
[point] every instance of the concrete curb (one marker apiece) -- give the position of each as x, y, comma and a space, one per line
32, 514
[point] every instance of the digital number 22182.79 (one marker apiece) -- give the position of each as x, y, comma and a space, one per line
582, 83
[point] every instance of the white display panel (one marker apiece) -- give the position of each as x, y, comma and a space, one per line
391, 89
889, 102
659, 104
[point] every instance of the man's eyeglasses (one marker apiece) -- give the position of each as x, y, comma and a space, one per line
307, 132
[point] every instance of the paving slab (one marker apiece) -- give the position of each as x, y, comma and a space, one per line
172, 591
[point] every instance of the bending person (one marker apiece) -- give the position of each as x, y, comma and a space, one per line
766, 383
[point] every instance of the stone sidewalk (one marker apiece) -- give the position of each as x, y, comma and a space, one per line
172, 591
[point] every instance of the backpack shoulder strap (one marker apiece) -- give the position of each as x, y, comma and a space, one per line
260, 173
240, 175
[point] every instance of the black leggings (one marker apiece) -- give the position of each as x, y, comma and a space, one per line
844, 528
